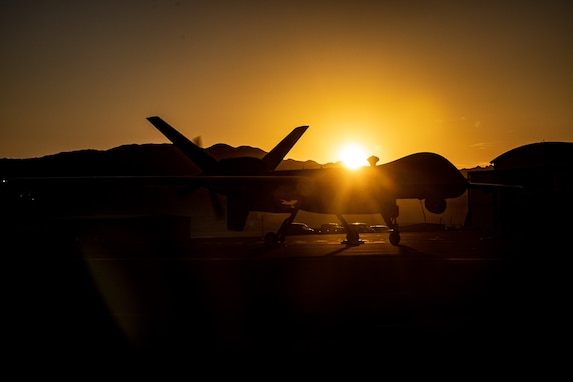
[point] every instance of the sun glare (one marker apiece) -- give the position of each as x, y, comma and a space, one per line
353, 156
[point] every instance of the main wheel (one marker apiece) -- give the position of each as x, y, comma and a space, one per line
394, 238
271, 239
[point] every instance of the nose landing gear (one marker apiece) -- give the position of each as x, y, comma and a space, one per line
352, 236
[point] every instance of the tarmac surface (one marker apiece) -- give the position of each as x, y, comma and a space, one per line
314, 295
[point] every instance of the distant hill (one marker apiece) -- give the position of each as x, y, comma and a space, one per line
135, 160
142, 160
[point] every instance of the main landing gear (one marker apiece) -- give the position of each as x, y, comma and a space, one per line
273, 239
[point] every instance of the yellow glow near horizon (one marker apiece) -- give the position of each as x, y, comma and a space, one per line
353, 156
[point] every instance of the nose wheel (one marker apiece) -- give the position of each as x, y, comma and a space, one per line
352, 236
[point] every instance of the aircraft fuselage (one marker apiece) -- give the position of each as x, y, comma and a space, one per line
366, 190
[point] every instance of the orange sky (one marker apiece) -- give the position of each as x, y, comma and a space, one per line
466, 81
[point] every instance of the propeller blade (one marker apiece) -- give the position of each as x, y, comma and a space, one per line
216, 203
198, 141
213, 198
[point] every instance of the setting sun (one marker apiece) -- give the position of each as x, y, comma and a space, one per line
353, 156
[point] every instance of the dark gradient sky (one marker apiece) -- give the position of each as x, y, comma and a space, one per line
468, 81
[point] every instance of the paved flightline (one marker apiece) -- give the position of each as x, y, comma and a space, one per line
311, 295
443, 244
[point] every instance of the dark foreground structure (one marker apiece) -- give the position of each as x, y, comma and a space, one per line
544, 206
136, 284
85, 288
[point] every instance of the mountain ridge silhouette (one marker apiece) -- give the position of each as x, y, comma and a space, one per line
148, 159
131, 159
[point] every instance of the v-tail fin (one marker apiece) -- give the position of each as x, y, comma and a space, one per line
274, 157
200, 157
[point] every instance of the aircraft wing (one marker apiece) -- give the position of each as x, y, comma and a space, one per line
216, 182
493, 186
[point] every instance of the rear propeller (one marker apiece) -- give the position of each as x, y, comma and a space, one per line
198, 141
213, 197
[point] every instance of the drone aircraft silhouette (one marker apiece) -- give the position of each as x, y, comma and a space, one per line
253, 184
